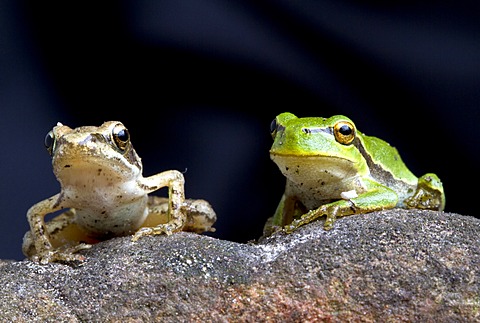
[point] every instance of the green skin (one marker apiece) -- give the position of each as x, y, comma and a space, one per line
337, 171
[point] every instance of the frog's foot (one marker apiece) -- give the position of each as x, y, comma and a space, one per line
62, 255
305, 219
330, 221
167, 228
329, 210
429, 194
338, 209
271, 229
332, 211
200, 216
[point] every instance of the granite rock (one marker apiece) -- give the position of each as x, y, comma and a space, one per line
395, 265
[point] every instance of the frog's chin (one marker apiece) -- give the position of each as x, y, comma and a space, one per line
304, 169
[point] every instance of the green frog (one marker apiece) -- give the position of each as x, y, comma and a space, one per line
334, 170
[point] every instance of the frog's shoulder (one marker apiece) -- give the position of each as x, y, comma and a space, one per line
380, 154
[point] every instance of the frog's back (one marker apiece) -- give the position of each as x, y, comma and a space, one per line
382, 159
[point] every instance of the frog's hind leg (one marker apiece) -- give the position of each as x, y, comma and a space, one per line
200, 214
428, 195
63, 233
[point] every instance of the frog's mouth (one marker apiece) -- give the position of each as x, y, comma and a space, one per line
93, 171
312, 170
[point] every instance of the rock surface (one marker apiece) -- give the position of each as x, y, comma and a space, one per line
385, 266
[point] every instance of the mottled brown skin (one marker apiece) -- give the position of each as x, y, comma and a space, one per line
106, 195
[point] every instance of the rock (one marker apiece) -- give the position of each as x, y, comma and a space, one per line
396, 265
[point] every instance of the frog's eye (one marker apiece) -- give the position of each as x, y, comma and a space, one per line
121, 137
275, 127
50, 142
344, 132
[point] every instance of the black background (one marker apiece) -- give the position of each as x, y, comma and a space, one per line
198, 82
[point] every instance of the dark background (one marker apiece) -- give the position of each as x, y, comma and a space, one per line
198, 82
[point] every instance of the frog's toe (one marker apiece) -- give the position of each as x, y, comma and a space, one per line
274, 229
54, 256
77, 248
150, 231
289, 228
329, 222
142, 232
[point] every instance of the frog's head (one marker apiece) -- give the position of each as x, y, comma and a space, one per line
90, 153
317, 144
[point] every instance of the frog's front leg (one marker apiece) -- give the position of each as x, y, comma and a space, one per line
37, 242
377, 197
175, 181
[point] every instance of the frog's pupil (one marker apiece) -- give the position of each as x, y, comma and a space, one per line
273, 125
122, 135
345, 130
49, 141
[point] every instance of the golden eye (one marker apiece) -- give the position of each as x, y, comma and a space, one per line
344, 132
121, 136
50, 142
